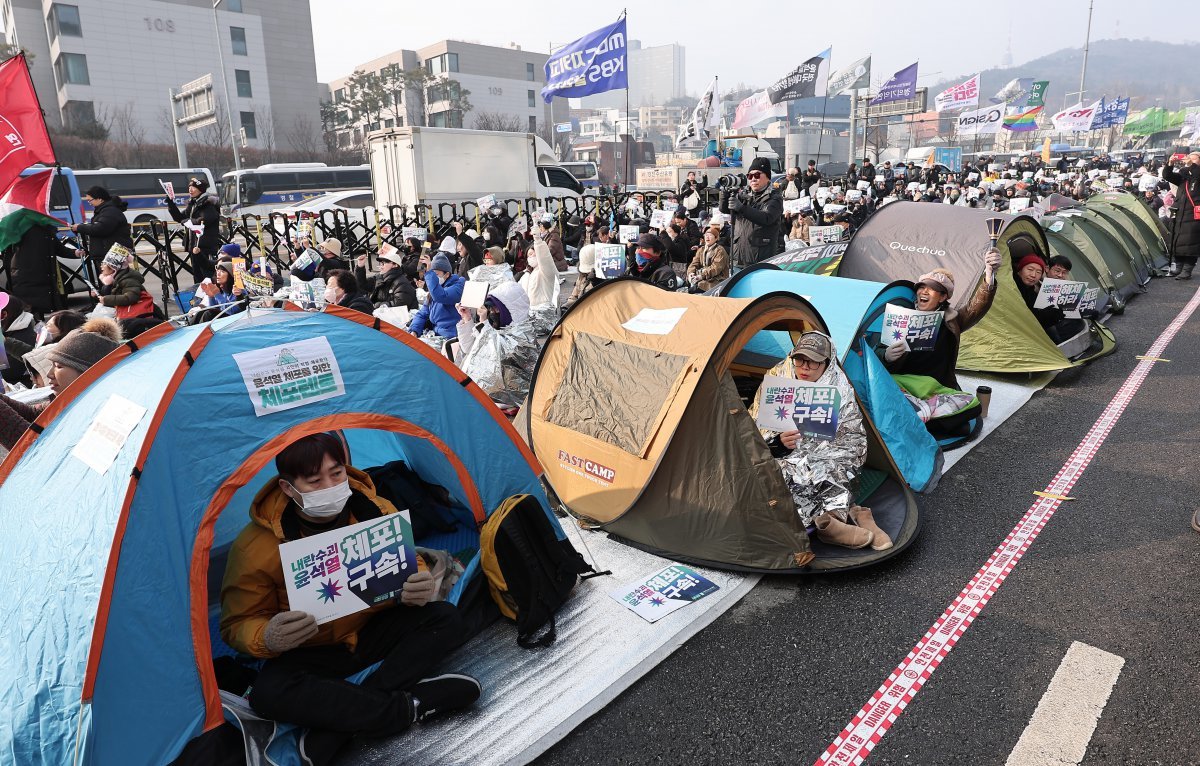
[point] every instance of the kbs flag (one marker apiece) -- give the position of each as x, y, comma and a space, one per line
592, 64
958, 96
853, 77
903, 85
23, 137
805, 81
25, 204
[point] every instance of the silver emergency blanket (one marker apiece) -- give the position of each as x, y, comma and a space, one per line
501, 361
544, 318
493, 275
820, 473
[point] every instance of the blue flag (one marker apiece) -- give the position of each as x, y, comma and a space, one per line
902, 85
592, 64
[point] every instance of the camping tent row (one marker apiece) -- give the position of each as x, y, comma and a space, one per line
903, 240
115, 504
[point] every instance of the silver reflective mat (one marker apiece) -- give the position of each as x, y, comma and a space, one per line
533, 698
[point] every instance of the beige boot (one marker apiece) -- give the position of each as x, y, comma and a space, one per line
863, 518
835, 532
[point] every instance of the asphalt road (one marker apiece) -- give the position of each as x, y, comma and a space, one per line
775, 679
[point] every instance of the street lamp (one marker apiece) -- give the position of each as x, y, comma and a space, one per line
237, 159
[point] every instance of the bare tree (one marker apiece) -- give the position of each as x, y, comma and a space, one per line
510, 123
264, 128
301, 137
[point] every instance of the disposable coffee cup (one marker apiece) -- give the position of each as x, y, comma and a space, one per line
984, 395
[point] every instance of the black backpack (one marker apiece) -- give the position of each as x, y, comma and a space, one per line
530, 572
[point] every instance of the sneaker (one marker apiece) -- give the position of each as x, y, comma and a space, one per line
444, 694
833, 531
863, 518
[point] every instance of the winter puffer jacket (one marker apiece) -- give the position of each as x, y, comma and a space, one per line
108, 227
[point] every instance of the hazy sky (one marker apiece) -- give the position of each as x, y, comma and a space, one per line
755, 42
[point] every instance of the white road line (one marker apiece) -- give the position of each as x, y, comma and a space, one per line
1061, 727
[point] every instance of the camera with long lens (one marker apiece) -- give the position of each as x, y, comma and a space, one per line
732, 182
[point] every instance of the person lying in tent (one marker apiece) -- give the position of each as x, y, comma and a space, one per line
934, 291
820, 473
497, 345
303, 678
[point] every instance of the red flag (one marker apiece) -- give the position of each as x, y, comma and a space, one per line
23, 137
24, 204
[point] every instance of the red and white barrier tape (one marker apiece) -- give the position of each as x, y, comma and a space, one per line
869, 725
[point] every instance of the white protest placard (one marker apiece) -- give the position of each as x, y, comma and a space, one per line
610, 260
474, 294
485, 202
672, 587
655, 321
822, 194
1060, 293
628, 233
823, 235
168, 188
660, 219
787, 404
398, 316
1017, 204
290, 375
520, 225
854, 195
108, 432
918, 328
418, 233
795, 206
347, 570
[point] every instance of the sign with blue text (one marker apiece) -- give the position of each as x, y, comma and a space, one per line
592, 64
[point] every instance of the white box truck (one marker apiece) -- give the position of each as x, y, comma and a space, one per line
425, 166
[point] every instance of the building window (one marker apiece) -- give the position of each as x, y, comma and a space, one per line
237, 41
248, 126
243, 83
532, 98
72, 69
79, 113
339, 95
64, 20
234, 6
529, 72
447, 62
532, 124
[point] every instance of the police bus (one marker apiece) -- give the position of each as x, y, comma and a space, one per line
258, 191
585, 172
141, 188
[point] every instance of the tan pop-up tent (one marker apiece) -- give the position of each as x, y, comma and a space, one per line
638, 415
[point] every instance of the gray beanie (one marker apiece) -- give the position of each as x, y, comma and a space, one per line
80, 350
441, 262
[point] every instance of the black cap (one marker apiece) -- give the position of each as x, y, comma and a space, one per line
762, 165
199, 183
650, 242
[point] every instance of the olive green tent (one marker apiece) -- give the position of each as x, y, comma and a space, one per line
1082, 267
1068, 238
906, 239
1152, 233
1121, 260
1128, 232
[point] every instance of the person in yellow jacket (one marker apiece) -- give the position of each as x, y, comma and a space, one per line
303, 680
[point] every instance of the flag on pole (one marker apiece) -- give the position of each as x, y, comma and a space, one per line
25, 140
808, 80
903, 85
853, 77
980, 122
755, 109
1023, 121
1190, 130
1111, 113
592, 64
1014, 92
958, 96
25, 204
1036, 95
705, 116
1076, 118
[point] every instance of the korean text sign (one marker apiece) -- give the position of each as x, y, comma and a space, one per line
350, 569
786, 404
290, 375
667, 590
918, 328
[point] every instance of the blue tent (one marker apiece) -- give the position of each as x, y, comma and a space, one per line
106, 647
853, 308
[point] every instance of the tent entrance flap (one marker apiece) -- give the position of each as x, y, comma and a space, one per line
599, 365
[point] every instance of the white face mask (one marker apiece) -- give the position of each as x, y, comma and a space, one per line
331, 295
324, 503
487, 236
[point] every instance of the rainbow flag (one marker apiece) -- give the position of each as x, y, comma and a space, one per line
1023, 121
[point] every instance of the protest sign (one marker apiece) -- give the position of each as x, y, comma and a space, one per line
258, 285
1060, 293
786, 404
592, 64
1087, 304
418, 233
306, 258
917, 328
627, 233
290, 375
659, 219
655, 321
821, 235
673, 587
610, 260
1017, 204
107, 434
796, 206
485, 202
347, 570
239, 274
168, 188
474, 294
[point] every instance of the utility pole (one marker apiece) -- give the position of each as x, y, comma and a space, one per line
233, 142
1086, 43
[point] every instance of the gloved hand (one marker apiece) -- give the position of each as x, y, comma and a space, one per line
735, 203
895, 352
991, 260
418, 590
287, 630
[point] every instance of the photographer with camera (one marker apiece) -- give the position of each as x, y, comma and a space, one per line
755, 211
